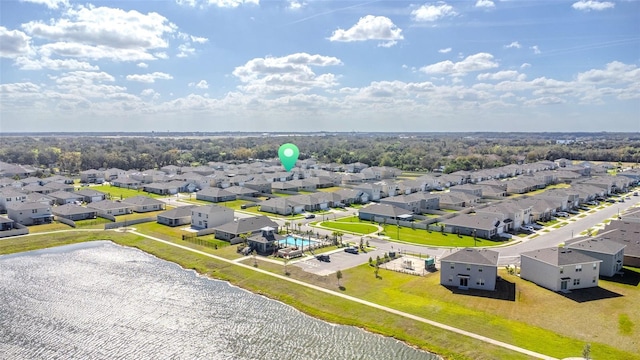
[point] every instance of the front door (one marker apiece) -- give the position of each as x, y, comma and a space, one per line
563, 285
464, 282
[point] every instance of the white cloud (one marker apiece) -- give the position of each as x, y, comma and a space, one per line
295, 4
86, 31
536, 49
614, 73
150, 93
430, 12
25, 63
445, 51
231, 3
513, 45
51, 4
13, 43
525, 65
370, 28
202, 84
547, 100
142, 65
288, 74
185, 50
502, 75
477, 62
588, 5
485, 4
149, 78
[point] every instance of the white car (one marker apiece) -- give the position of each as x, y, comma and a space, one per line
528, 227
562, 213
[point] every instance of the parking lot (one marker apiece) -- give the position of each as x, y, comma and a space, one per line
340, 260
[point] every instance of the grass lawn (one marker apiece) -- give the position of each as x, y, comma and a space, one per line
53, 226
117, 192
97, 223
435, 238
330, 189
537, 319
354, 227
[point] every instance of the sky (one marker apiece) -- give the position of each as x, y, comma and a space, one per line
319, 65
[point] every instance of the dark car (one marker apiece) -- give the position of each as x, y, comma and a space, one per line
310, 216
352, 250
324, 258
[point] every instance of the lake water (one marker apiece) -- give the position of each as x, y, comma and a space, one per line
102, 301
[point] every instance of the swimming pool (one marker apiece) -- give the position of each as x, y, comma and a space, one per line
293, 241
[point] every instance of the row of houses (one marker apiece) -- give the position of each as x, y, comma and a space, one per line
576, 266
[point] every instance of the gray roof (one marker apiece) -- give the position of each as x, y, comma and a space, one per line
385, 210
4, 220
142, 200
108, 205
71, 209
179, 212
245, 225
598, 245
90, 192
215, 192
65, 195
474, 257
211, 209
482, 222
560, 256
27, 206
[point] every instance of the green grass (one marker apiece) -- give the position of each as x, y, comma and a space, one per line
329, 189
354, 227
53, 226
435, 238
537, 320
625, 325
117, 193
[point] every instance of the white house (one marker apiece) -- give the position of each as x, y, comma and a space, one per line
204, 217
610, 252
560, 269
29, 213
470, 269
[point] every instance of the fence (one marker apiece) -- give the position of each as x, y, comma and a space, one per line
126, 223
193, 238
65, 221
19, 230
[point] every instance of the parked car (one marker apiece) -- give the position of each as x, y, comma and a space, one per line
612, 201
324, 258
527, 227
562, 214
309, 216
635, 193
352, 250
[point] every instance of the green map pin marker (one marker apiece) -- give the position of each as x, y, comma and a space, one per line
288, 154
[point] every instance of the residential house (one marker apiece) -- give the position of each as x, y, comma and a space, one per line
29, 213
58, 186
449, 200
114, 173
372, 190
281, 206
515, 214
177, 216
627, 233
43, 199
215, 195
384, 213
352, 196
143, 203
92, 176
65, 197
470, 269
10, 195
90, 195
482, 226
74, 212
242, 191
110, 207
416, 202
471, 189
610, 252
126, 183
210, 216
560, 269
259, 184
231, 231
162, 188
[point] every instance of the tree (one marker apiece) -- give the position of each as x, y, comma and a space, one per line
339, 277
442, 228
286, 261
255, 258
376, 269
286, 224
244, 237
586, 351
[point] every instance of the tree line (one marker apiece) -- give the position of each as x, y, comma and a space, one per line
418, 152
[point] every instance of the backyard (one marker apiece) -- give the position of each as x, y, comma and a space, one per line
353, 224
122, 193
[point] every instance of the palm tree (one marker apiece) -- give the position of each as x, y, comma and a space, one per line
244, 237
340, 236
286, 224
339, 276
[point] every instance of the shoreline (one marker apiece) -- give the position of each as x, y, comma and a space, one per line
315, 303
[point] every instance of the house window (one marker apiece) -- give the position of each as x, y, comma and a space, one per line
200, 223
453, 266
594, 280
108, 211
480, 282
561, 270
578, 268
595, 266
34, 211
468, 268
450, 278
576, 282
479, 269
144, 208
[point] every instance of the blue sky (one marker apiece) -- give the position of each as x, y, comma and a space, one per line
311, 65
